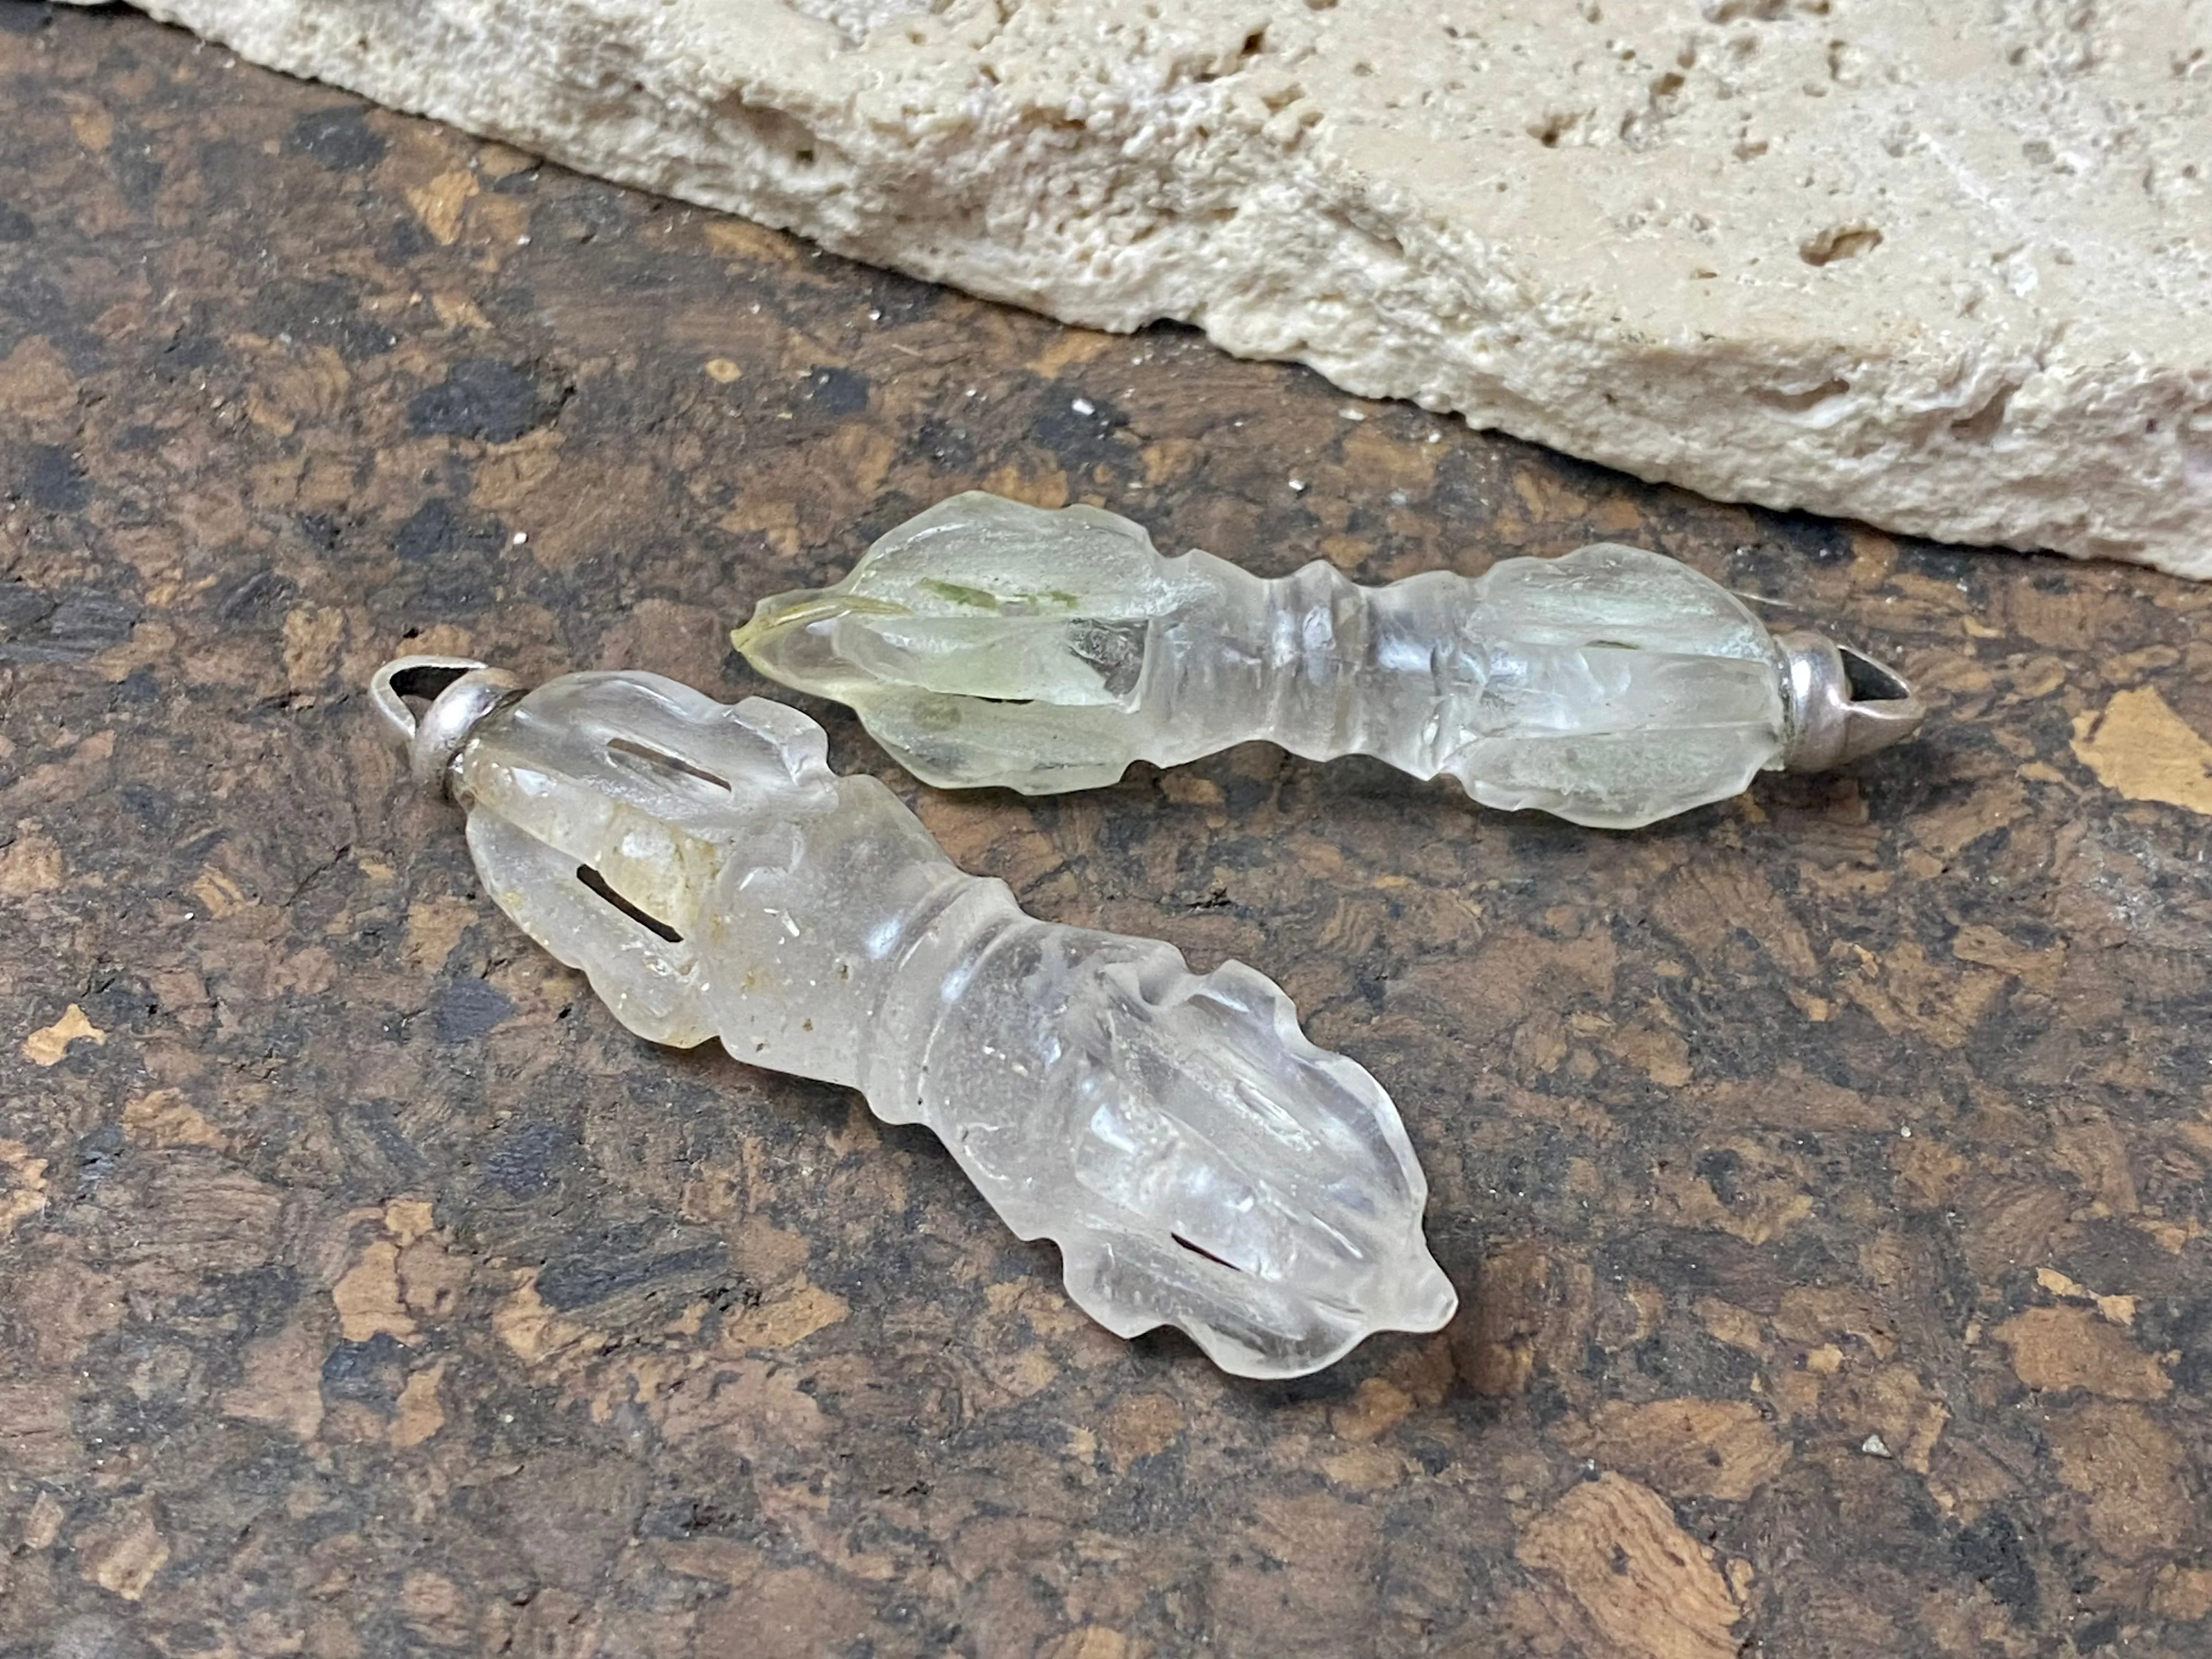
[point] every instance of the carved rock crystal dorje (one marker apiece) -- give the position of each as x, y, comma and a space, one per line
987, 642
1198, 1161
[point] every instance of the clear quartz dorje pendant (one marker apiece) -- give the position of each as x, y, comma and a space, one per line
1198, 1161
987, 643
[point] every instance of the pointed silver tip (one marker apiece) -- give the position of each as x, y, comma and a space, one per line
1843, 706
457, 692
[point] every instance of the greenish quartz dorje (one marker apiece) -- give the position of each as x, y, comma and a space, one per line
986, 642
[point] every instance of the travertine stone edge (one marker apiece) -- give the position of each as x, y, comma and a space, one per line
1109, 175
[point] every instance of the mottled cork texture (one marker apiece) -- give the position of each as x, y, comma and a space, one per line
1823, 1173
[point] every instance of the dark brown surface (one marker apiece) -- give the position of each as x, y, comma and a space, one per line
368, 1292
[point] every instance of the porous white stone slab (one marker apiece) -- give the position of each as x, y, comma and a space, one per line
1945, 268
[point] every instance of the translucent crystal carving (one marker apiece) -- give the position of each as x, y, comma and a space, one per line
1198, 1162
988, 642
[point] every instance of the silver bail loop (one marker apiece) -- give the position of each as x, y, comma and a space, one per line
1843, 706
460, 691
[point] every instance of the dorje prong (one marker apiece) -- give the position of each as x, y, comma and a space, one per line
460, 691
1843, 706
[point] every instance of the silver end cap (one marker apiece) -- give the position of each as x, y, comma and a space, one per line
1841, 706
459, 692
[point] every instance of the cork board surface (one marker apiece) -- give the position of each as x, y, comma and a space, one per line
1824, 1174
